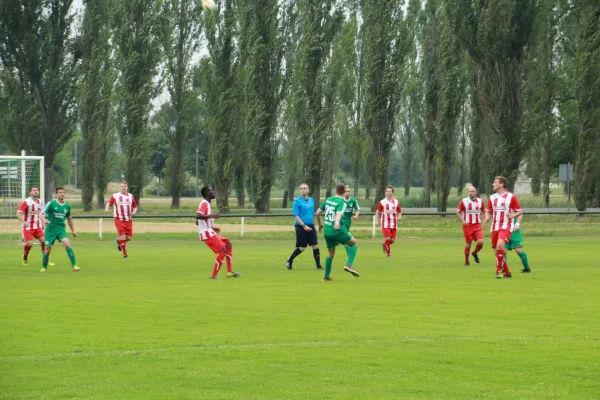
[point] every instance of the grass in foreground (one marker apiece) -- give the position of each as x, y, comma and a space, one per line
417, 326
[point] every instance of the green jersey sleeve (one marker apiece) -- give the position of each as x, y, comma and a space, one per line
47, 209
322, 206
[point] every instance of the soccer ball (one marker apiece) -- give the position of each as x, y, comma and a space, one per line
209, 5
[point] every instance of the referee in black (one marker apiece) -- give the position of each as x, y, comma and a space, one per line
306, 234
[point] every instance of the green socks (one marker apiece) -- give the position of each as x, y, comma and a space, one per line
71, 255
523, 257
328, 262
45, 258
351, 254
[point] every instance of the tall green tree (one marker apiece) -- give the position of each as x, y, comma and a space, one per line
311, 89
587, 166
496, 35
429, 67
137, 28
180, 41
219, 86
451, 86
39, 61
385, 48
96, 82
348, 53
262, 41
540, 92
411, 109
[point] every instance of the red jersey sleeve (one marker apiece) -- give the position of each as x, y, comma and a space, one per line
514, 203
399, 208
23, 207
203, 208
379, 207
489, 206
133, 202
461, 206
111, 202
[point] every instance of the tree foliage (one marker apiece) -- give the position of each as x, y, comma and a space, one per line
95, 90
39, 62
385, 48
137, 27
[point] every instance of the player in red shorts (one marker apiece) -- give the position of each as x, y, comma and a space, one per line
391, 214
125, 207
209, 234
505, 207
31, 223
469, 212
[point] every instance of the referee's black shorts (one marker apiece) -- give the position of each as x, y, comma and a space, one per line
306, 238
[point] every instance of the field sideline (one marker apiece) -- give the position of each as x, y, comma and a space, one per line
417, 326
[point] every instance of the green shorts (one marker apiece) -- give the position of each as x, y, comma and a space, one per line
516, 240
50, 236
341, 236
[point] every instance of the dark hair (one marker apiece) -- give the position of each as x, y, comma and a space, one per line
502, 180
34, 187
204, 191
59, 188
340, 188
390, 187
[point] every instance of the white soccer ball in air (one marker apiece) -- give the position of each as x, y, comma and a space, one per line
209, 5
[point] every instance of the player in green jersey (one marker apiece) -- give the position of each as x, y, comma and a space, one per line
53, 217
516, 243
351, 206
335, 233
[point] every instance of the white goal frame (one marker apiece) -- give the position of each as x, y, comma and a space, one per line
23, 158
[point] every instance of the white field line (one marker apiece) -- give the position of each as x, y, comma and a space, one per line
283, 345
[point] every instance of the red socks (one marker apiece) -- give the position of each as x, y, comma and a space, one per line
467, 251
218, 263
229, 258
123, 244
26, 250
501, 264
388, 247
478, 248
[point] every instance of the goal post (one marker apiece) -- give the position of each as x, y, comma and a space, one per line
17, 175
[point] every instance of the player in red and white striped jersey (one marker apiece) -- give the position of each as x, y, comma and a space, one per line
469, 212
125, 207
209, 234
29, 215
504, 206
391, 214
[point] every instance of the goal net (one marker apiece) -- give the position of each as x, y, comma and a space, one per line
17, 175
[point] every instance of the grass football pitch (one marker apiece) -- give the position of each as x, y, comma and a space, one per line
417, 326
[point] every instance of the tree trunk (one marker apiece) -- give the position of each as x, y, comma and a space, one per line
285, 199
89, 158
240, 191
176, 178
427, 168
